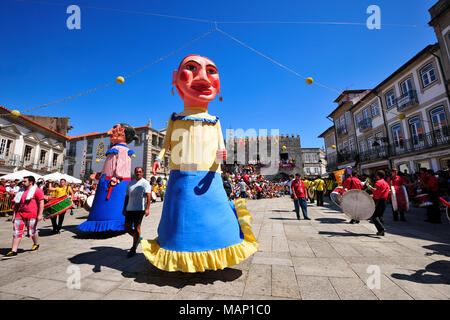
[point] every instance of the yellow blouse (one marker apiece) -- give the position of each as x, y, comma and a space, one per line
193, 143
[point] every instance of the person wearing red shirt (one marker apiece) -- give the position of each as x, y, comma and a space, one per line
299, 193
27, 212
397, 181
352, 183
380, 195
432, 185
2, 186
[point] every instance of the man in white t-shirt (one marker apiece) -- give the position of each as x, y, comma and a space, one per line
137, 204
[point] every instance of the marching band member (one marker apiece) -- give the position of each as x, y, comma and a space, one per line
351, 183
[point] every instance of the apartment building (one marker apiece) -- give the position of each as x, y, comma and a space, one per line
27, 144
344, 127
329, 138
314, 162
404, 121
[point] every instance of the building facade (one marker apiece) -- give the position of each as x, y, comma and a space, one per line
404, 121
259, 150
344, 127
440, 17
314, 162
86, 153
27, 144
329, 137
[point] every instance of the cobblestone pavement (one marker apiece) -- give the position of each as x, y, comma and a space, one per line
324, 258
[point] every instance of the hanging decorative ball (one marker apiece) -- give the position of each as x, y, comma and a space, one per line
97, 160
15, 113
401, 116
283, 147
120, 80
333, 147
309, 80
133, 156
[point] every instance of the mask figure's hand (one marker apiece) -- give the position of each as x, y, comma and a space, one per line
156, 166
221, 154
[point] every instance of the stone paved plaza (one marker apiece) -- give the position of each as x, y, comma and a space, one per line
325, 258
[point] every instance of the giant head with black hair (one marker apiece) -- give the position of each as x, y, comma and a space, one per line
130, 133
122, 133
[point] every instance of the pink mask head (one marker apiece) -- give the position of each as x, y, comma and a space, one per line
117, 134
197, 81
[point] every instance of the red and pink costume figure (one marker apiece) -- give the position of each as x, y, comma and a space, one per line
106, 212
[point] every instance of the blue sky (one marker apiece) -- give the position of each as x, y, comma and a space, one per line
41, 60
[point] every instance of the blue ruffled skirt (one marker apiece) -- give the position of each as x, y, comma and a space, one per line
106, 215
197, 215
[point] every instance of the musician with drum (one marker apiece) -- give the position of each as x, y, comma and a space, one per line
353, 183
399, 195
380, 195
60, 191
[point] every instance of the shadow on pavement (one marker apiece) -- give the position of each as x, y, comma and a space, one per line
348, 234
440, 269
143, 271
331, 220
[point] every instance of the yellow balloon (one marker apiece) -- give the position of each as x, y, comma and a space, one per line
333, 147
133, 156
309, 80
97, 160
15, 113
401, 116
283, 147
120, 80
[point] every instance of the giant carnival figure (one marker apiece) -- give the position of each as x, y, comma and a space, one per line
106, 212
199, 228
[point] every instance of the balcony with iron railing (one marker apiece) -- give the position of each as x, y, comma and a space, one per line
365, 124
419, 142
374, 153
407, 100
434, 139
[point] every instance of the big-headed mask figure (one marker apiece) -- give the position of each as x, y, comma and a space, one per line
197, 81
199, 229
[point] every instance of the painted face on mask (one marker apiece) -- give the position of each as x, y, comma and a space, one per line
117, 134
197, 80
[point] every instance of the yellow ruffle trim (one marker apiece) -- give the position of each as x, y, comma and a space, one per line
205, 260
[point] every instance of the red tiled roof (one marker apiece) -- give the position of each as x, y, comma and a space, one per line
97, 133
36, 123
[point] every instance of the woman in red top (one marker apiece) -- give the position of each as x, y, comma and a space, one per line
380, 195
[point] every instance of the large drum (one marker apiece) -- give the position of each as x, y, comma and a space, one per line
336, 195
423, 200
57, 206
447, 207
311, 193
357, 204
88, 203
400, 200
